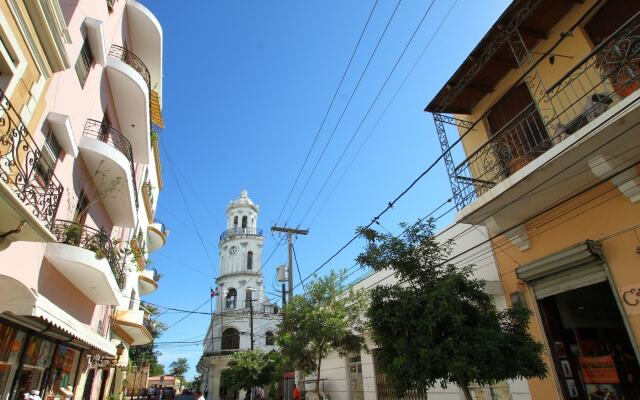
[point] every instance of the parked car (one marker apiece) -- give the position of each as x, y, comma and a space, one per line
187, 392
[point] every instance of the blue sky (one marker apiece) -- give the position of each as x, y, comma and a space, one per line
246, 86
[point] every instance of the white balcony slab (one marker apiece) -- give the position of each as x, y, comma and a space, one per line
146, 283
145, 33
107, 165
90, 274
156, 238
130, 323
131, 101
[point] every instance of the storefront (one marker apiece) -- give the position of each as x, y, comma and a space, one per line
31, 361
586, 331
45, 349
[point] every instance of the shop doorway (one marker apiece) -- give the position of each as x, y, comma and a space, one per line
591, 349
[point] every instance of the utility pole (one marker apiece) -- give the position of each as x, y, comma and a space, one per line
290, 232
250, 300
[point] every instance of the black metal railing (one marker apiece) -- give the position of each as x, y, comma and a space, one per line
96, 240
129, 57
604, 77
110, 135
20, 158
240, 232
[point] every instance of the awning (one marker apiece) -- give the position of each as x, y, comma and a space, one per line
19, 300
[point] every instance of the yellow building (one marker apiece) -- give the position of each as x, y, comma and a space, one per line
32, 38
547, 110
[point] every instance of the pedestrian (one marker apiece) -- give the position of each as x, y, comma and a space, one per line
199, 395
296, 393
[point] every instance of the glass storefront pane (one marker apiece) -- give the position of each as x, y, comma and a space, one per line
64, 369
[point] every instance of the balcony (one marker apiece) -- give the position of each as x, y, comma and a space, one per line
108, 157
133, 327
148, 281
156, 235
240, 232
155, 145
137, 250
27, 193
147, 199
88, 259
585, 116
146, 37
130, 84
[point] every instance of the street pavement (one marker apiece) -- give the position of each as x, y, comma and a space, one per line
185, 397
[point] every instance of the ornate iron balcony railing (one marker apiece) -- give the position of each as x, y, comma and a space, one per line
129, 57
110, 135
604, 77
96, 240
240, 232
20, 159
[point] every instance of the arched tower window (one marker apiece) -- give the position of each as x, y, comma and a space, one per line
268, 339
232, 295
244, 222
250, 260
230, 339
247, 299
235, 222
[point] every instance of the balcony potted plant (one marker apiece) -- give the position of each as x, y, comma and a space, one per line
72, 234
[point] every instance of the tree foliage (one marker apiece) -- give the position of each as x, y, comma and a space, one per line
248, 369
179, 368
440, 324
324, 319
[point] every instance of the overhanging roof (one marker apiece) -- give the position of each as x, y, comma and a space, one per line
533, 28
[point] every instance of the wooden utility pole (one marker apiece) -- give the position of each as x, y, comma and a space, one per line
290, 232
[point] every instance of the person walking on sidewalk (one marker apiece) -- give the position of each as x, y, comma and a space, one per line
296, 393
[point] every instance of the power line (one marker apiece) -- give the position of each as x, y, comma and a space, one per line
186, 205
333, 99
375, 50
406, 77
373, 103
295, 257
415, 181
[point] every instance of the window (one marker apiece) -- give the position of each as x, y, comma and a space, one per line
49, 154
250, 260
84, 62
268, 339
235, 222
244, 222
248, 299
232, 295
230, 339
80, 214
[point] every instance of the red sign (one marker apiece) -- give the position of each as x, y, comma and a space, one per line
289, 375
599, 369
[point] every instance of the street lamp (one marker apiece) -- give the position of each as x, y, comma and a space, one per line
250, 300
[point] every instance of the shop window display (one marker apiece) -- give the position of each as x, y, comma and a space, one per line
11, 341
63, 372
38, 358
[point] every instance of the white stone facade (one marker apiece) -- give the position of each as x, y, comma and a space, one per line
240, 279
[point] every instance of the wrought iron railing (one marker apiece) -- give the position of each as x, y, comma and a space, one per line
110, 135
20, 157
96, 240
604, 77
129, 58
240, 232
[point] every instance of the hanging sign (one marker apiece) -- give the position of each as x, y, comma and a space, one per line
599, 369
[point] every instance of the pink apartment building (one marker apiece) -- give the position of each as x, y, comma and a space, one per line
80, 175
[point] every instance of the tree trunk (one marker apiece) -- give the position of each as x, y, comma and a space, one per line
318, 377
465, 390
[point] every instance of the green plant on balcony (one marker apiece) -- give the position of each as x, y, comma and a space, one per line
154, 135
72, 234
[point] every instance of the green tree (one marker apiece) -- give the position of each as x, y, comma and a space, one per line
326, 318
179, 368
440, 324
249, 369
156, 369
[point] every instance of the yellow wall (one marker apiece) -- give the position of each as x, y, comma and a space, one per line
577, 46
603, 214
